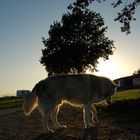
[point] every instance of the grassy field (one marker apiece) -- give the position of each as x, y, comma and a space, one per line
127, 95
10, 102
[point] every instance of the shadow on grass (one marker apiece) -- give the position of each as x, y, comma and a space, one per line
125, 114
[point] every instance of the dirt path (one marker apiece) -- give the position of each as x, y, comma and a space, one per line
120, 121
9, 111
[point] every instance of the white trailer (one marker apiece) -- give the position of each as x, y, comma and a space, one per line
21, 93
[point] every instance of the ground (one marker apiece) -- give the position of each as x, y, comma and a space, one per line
119, 121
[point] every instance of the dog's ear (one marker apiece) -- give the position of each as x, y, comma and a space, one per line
115, 85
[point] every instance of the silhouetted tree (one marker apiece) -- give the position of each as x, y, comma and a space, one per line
77, 42
125, 16
137, 72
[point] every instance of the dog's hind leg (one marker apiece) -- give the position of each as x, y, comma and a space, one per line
54, 117
94, 114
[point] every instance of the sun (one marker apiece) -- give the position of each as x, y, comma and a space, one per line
108, 68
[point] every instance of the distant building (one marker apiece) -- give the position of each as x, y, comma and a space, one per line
136, 81
128, 82
21, 93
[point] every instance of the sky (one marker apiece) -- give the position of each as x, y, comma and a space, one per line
23, 23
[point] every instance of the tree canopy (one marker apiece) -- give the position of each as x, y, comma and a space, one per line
137, 72
76, 42
125, 16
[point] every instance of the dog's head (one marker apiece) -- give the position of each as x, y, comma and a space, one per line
108, 99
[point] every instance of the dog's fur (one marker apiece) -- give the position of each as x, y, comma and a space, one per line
79, 90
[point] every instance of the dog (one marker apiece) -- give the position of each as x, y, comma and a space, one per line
78, 90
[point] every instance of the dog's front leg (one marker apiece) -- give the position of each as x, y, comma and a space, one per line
46, 108
45, 120
94, 114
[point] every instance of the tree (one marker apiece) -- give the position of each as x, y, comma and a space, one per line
77, 42
137, 72
125, 16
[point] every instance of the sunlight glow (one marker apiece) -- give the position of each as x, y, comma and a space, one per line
112, 69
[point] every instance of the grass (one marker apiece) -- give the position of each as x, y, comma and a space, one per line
127, 95
10, 102
124, 108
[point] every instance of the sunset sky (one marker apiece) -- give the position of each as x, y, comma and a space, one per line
23, 23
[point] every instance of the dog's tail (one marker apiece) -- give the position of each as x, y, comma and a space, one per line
30, 103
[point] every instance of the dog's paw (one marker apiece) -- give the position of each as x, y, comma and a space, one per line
62, 126
49, 135
95, 120
49, 132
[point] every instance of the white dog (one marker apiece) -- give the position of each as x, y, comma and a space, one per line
78, 90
